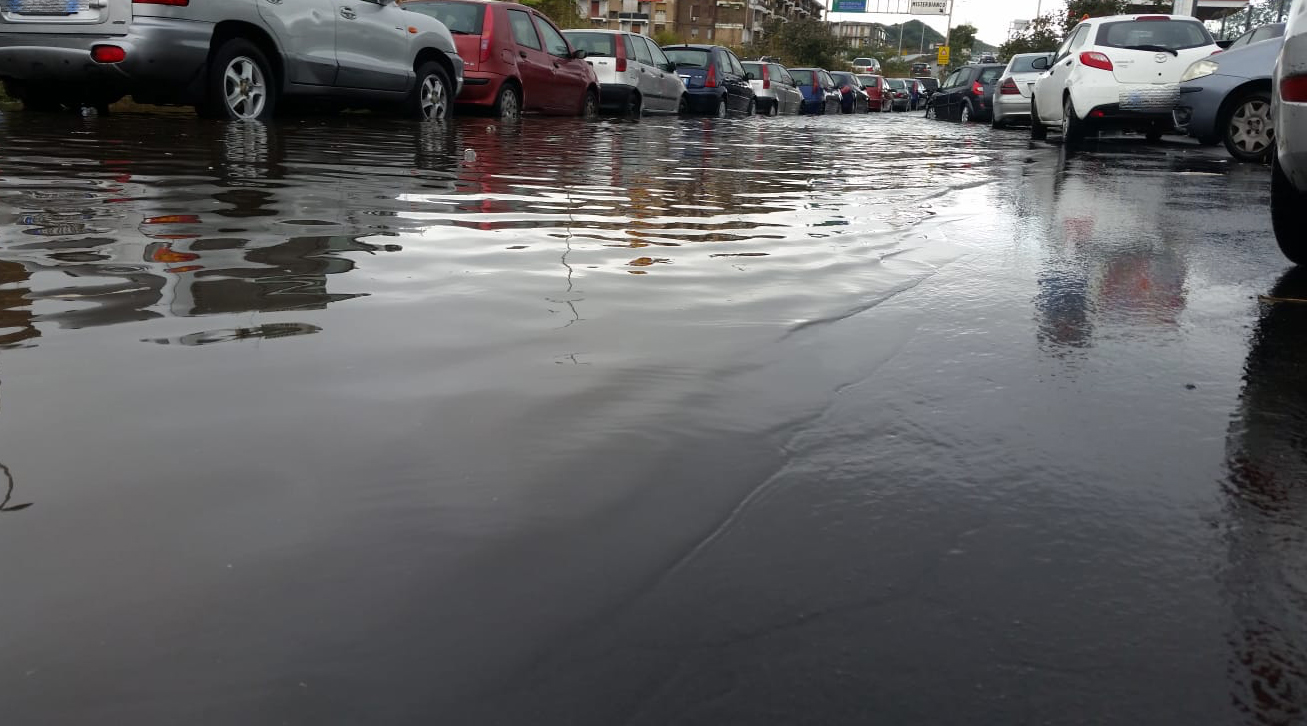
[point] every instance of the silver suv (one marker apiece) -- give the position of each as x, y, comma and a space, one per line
232, 59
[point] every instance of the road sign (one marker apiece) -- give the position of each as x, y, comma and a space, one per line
850, 6
928, 7
942, 57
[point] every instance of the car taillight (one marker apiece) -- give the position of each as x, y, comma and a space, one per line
621, 63
977, 89
1294, 89
766, 78
488, 34
1009, 88
711, 80
174, 3
1094, 59
108, 54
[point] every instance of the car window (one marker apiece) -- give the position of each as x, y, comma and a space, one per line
628, 47
802, 78
1023, 64
990, 75
1244, 39
1267, 32
688, 57
599, 45
659, 59
734, 62
775, 73
1163, 33
826, 80
460, 18
1078, 40
786, 78
1065, 49
842, 79
555, 45
641, 51
861, 61
952, 79
754, 68
524, 31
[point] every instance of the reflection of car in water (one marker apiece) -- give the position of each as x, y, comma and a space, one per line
1266, 454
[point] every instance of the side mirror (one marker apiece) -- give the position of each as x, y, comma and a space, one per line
669, 67
1039, 64
748, 76
579, 54
1224, 44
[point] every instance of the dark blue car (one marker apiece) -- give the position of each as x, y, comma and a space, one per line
818, 88
715, 81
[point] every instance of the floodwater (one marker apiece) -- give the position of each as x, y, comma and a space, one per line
829, 421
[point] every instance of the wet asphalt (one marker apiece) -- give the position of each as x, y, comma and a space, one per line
791, 421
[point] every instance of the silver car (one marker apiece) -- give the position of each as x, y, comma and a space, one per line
635, 77
236, 59
1013, 90
1289, 162
775, 90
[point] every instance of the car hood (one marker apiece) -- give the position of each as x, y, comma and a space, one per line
1250, 61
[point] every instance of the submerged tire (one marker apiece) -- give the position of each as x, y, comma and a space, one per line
1288, 215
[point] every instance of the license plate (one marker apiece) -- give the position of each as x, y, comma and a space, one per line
47, 7
685, 78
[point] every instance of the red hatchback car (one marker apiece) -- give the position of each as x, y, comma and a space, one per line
878, 92
515, 59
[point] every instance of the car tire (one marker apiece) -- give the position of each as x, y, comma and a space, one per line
997, 123
967, 114
774, 108
931, 112
240, 85
1288, 215
721, 107
1249, 117
1073, 129
508, 102
683, 106
430, 99
752, 108
1154, 133
1038, 131
634, 106
590, 106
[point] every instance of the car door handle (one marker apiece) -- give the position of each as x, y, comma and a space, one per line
347, 13
1068, 63
522, 53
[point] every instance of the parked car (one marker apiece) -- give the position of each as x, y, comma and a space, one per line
1226, 98
634, 76
229, 60
930, 87
915, 91
715, 80
920, 70
775, 92
853, 97
865, 65
878, 91
1121, 71
1011, 100
1289, 160
965, 94
516, 59
987, 58
901, 96
818, 89
1256, 35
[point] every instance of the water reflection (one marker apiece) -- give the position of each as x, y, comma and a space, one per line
1267, 503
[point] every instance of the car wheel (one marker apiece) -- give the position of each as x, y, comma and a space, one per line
1249, 129
508, 104
241, 86
430, 100
590, 106
750, 110
634, 106
966, 114
774, 109
1288, 215
931, 113
1038, 131
721, 107
1154, 133
1073, 129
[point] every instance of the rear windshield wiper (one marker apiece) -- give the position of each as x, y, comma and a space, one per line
453, 31
1154, 48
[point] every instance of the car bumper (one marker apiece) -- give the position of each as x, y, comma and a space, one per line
1200, 104
1291, 142
1147, 99
1011, 106
615, 95
480, 88
702, 100
165, 60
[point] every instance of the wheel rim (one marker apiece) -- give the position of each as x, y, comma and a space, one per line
683, 106
434, 99
966, 114
244, 88
636, 107
591, 108
508, 105
721, 108
1066, 119
1252, 129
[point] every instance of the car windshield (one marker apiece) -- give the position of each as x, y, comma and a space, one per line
1157, 35
898, 84
930, 83
688, 57
460, 18
871, 81
862, 61
844, 79
594, 44
754, 68
989, 75
1025, 64
803, 78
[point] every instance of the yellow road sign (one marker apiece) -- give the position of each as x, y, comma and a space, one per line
942, 57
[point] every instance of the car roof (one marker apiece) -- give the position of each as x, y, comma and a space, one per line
696, 46
1121, 18
1028, 55
604, 31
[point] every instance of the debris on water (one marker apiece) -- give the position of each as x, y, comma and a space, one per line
646, 261
1191, 386
470, 155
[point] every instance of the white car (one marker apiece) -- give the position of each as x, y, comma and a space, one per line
866, 65
1014, 88
776, 92
1118, 72
635, 78
1289, 163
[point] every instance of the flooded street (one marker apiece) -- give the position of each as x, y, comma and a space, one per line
789, 421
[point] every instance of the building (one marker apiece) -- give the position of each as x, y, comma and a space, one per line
736, 22
861, 35
636, 16
1201, 9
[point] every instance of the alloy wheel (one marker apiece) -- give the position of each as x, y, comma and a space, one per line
1252, 129
245, 89
508, 106
434, 100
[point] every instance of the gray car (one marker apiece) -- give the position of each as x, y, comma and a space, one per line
235, 59
1226, 98
1014, 88
1289, 160
776, 91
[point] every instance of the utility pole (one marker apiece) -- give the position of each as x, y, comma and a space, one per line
948, 28
901, 39
922, 49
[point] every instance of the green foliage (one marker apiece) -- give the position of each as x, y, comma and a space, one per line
1259, 13
564, 13
1042, 36
960, 38
1076, 10
912, 32
666, 37
799, 43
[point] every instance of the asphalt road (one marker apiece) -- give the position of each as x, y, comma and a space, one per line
829, 421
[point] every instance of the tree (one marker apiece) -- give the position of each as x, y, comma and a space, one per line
961, 37
803, 42
564, 13
1261, 12
1043, 35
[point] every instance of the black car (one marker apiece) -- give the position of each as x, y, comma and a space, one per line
853, 97
965, 95
715, 81
930, 87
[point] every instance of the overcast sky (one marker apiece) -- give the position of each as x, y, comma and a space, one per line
992, 17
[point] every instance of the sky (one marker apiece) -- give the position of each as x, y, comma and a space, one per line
992, 17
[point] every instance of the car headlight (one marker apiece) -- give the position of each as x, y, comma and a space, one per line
1198, 69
